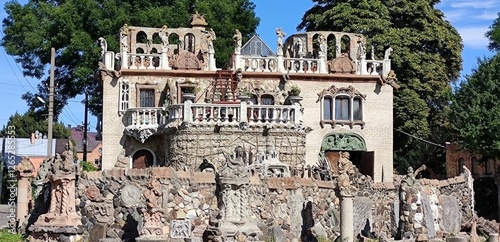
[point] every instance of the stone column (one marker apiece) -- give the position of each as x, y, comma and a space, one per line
346, 218
25, 170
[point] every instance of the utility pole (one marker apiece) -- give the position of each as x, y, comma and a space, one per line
51, 100
85, 127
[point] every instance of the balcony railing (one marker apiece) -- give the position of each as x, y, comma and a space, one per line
213, 114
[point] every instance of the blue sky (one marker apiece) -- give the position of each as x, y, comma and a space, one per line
470, 17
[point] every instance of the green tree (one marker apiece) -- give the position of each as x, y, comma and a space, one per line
426, 58
494, 35
72, 27
476, 109
30, 122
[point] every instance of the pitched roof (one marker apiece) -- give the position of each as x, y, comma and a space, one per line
77, 135
255, 46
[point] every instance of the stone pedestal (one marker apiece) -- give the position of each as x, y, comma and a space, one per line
346, 219
61, 221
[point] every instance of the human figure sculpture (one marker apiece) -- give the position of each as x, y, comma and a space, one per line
281, 35
237, 37
164, 38
210, 37
346, 170
388, 53
322, 44
299, 46
104, 45
124, 32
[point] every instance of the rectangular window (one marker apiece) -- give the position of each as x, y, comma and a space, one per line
342, 108
147, 98
327, 109
356, 109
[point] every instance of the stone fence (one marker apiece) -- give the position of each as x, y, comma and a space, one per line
110, 202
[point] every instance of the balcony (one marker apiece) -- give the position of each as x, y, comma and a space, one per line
142, 123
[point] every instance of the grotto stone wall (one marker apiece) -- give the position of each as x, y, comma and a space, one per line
109, 202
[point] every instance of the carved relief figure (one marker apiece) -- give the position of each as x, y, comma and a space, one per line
235, 165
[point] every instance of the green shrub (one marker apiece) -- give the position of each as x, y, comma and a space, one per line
87, 166
7, 236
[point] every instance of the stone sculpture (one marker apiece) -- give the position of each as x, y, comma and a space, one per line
346, 170
104, 45
62, 217
281, 35
210, 37
234, 208
388, 53
411, 209
299, 47
153, 214
164, 38
237, 37
124, 32
322, 44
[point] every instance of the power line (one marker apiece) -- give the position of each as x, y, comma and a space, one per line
423, 140
8, 62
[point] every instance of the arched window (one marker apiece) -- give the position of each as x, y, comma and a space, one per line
189, 43
346, 109
124, 95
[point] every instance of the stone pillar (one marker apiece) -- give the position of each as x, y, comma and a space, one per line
109, 60
165, 64
211, 61
346, 219
25, 170
493, 237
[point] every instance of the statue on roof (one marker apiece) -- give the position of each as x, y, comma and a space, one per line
237, 37
164, 38
104, 45
322, 44
198, 20
281, 35
124, 32
210, 37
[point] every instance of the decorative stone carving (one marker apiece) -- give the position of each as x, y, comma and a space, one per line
333, 91
346, 170
234, 209
391, 79
129, 196
273, 167
25, 168
180, 229
388, 53
141, 133
122, 161
198, 20
187, 61
93, 193
153, 214
343, 141
342, 65
210, 37
62, 217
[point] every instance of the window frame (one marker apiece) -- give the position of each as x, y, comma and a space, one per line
330, 97
140, 87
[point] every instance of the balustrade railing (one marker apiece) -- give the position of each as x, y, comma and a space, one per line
144, 61
213, 114
301, 65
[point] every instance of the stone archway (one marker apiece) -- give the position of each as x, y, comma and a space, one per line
142, 158
334, 143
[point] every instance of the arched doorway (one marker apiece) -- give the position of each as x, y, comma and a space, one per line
143, 158
335, 143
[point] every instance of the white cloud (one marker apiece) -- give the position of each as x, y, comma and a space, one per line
488, 16
477, 4
473, 36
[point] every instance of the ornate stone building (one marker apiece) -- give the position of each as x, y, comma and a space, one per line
167, 104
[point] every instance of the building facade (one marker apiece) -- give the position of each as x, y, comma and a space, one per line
165, 103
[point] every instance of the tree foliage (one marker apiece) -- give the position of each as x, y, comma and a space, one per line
426, 58
72, 27
494, 35
476, 109
30, 122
